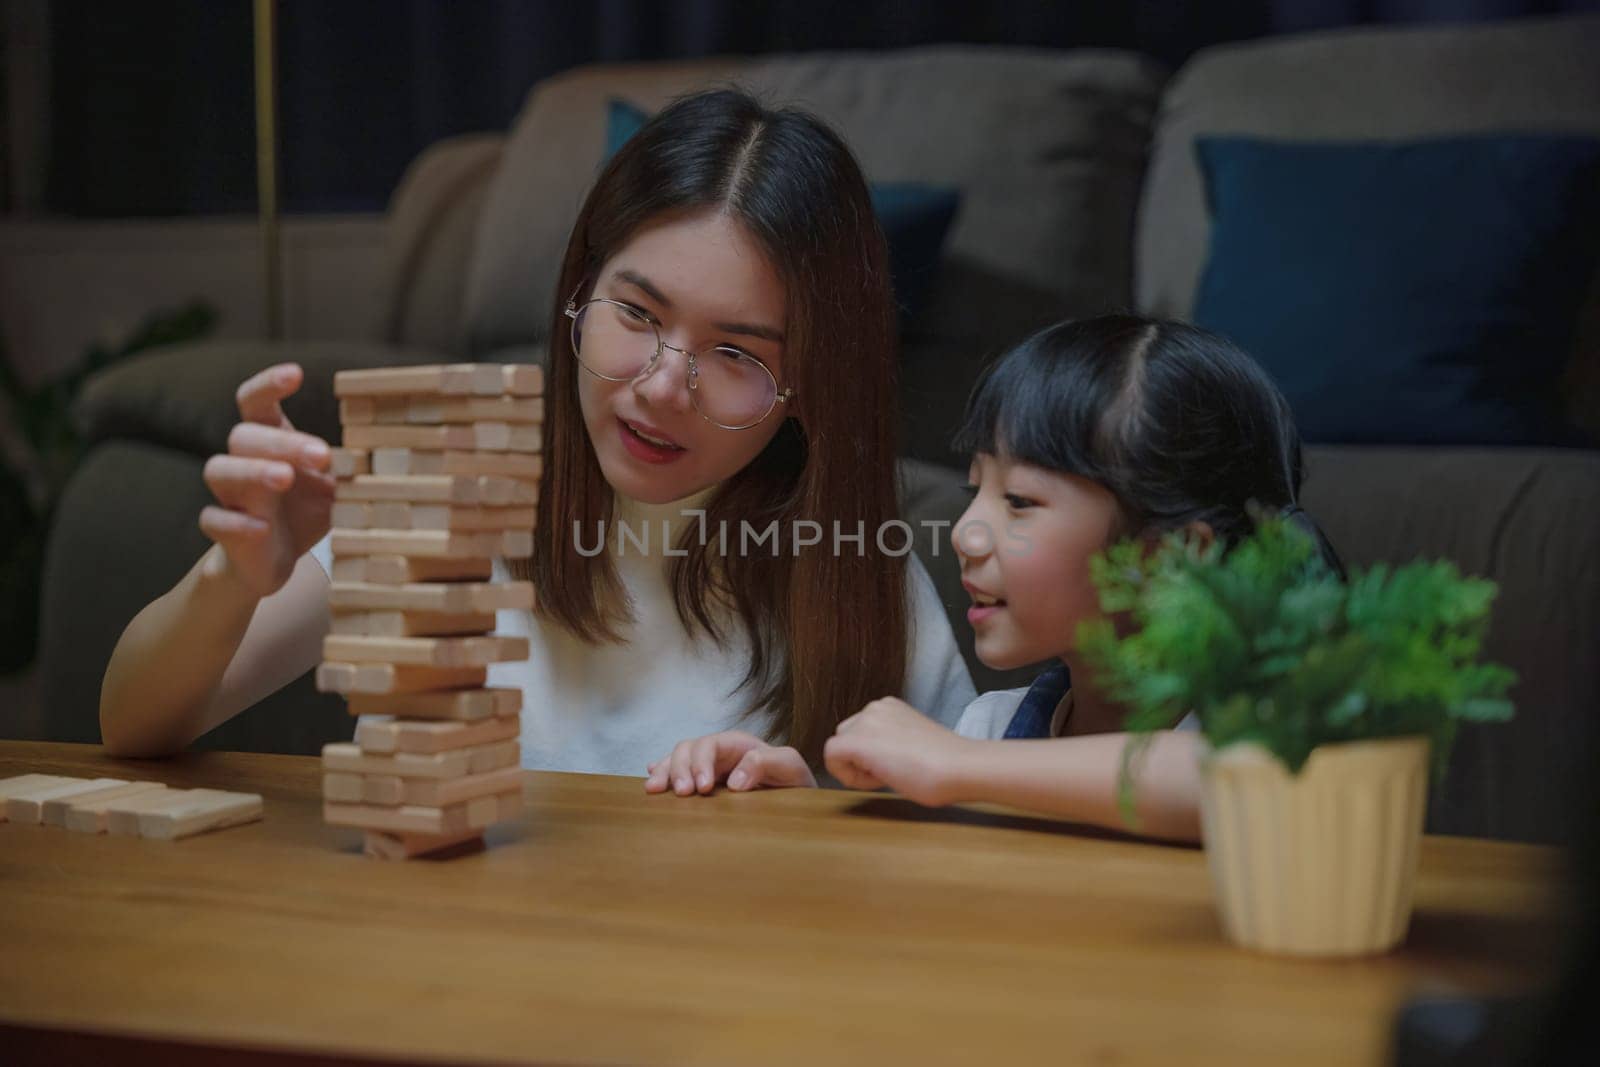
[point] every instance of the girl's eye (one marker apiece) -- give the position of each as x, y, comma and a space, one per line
1018, 503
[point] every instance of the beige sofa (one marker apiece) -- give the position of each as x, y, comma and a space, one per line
1080, 195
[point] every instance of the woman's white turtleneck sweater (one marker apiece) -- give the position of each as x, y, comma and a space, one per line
612, 708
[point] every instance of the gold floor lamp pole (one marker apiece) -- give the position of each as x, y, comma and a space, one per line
267, 163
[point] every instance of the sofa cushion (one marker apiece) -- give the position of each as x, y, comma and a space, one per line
1047, 149
182, 396
1525, 75
1405, 292
1528, 519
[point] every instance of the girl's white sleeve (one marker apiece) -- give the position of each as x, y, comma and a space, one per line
938, 683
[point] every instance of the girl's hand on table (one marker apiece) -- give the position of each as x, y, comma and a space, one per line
743, 761
890, 743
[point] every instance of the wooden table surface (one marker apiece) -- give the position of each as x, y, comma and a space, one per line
796, 926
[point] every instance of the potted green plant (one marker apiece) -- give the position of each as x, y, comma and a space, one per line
1320, 701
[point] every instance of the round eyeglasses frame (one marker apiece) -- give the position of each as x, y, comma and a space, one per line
574, 311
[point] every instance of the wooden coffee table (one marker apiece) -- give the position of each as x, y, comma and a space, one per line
801, 926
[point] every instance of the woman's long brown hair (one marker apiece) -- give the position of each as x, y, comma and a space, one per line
827, 630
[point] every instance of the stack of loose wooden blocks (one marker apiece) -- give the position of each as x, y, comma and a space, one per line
121, 807
438, 474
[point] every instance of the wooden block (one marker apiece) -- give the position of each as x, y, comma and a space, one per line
472, 436
402, 819
437, 437
389, 790
398, 735
410, 623
399, 461
403, 515
432, 544
443, 517
358, 409
454, 819
199, 811
27, 806
435, 410
342, 787
435, 793
462, 705
122, 816
431, 490
522, 379
26, 783
90, 816
57, 809
347, 757
392, 679
425, 651
432, 596
349, 462
386, 568
457, 379
387, 846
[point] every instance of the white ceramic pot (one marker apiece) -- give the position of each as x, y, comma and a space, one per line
1321, 863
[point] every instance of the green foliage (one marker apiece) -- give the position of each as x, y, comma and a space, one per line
36, 462
1266, 644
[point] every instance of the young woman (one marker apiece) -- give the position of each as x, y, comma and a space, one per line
722, 358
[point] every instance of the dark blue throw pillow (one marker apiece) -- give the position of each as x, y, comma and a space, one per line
1416, 292
915, 218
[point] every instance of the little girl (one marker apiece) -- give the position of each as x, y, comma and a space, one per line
1086, 434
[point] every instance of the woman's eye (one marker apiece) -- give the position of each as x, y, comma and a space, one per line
640, 315
736, 355
1018, 503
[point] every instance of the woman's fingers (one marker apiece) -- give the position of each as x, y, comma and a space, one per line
231, 527
269, 442
246, 484
771, 767
680, 769
260, 398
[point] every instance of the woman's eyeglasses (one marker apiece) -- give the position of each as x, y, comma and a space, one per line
729, 388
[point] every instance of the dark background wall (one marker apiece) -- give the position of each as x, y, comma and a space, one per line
152, 108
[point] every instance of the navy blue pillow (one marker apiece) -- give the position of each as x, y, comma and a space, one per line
1419, 292
915, 218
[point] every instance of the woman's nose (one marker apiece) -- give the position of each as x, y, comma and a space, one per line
665, 385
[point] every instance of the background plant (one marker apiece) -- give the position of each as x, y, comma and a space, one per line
38, 454
1264, 643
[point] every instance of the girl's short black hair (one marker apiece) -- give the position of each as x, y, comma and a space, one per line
1177, 422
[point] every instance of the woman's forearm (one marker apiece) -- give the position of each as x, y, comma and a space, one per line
1076, 778
170, 661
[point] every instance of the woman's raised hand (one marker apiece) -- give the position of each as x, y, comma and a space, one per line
274, 495
742, 760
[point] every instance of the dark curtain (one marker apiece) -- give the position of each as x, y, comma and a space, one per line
153, 112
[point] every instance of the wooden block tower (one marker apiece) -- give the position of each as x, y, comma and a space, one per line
438, 475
